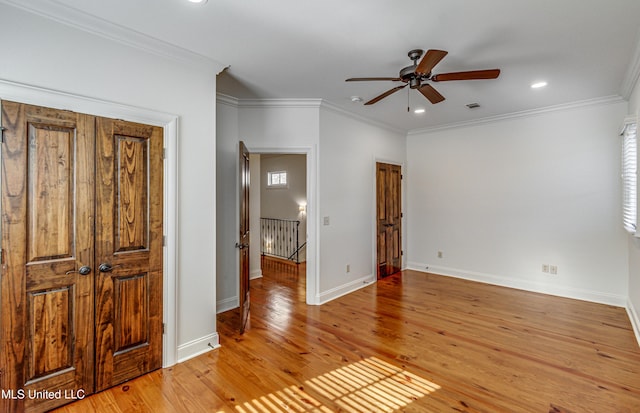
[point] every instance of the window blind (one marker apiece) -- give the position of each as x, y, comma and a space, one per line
629, 178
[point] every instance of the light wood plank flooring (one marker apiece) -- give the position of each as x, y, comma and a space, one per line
414, 342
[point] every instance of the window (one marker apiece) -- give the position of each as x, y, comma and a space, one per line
629, 177
277, 179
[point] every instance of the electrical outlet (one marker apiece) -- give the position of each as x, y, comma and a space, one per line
553, 269
545, 268
440, 254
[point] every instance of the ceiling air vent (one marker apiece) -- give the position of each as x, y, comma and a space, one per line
473, 105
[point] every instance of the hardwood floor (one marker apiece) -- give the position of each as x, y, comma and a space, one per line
413, 342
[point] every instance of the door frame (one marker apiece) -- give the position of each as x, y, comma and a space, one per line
313, 270
374, 221
34, 95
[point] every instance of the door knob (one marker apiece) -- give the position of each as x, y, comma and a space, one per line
84, 270
106, 267
241, 246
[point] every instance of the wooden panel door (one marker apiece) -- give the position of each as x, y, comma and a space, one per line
128, 250
46, 333
243, 243
81, 282
389, 219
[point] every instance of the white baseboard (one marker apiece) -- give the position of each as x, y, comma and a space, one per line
227, 304
635, 319
198, 346
345, 289
255, 274
520, 284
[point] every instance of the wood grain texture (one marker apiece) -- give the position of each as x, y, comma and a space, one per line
389, 218
243, 235
51, 191
129, 200
413, 342
61, 185
46, 333
132, 204
51, 315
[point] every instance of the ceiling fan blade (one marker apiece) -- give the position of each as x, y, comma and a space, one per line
368, 79
385, 94
430, 93
471, 75
430, 59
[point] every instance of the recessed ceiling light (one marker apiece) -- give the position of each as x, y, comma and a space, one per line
419, 110
198, 1
538, 85
356, 99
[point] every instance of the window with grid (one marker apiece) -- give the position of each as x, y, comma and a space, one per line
277, 179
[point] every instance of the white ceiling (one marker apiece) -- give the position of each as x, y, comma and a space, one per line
292, 49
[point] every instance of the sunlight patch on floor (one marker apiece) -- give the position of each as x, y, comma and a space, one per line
369, 385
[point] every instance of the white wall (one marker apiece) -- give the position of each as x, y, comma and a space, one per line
349, 149
50, 55
227, 205
633, 305
502, 199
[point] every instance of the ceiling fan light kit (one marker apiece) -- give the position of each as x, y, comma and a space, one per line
418, 74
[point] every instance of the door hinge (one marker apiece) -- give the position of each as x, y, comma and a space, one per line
163, 327
164, 153
2, 256
401, 176
164, 240
2, 129
401, 253
401, 215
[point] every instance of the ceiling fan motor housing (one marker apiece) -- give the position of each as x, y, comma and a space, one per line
408, 74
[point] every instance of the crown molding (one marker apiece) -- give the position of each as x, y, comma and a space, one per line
633, 72
72, 17
227, 100
267, 103
279, 103
607, 100
334, 108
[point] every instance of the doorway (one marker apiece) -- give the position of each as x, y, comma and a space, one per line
279, 214
83, 258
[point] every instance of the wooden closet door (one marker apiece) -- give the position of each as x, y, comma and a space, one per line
389, 218
129, 204
46, 333
81, 282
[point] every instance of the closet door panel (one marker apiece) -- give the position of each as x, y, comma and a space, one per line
129, 251
46, 336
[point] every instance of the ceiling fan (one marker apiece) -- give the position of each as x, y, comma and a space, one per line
418, 74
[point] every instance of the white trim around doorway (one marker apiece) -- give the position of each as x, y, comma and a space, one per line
313, 282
